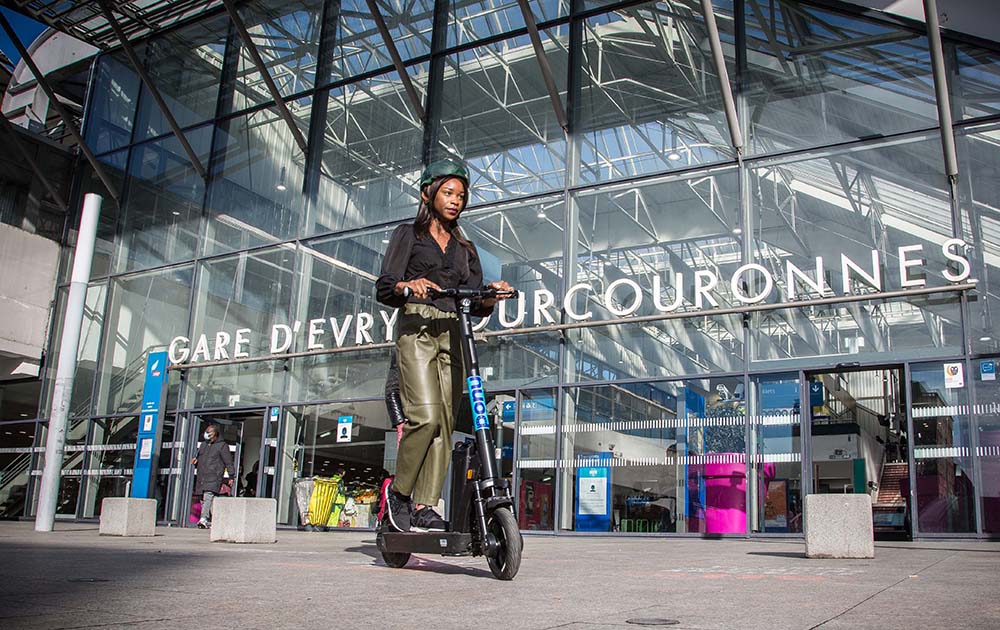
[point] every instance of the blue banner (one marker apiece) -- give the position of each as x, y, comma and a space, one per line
147, 448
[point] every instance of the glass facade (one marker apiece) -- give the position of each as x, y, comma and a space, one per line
681, 298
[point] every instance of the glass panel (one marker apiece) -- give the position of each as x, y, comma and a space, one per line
941, 448
110, 460
987, 414
496, 115
16, 447
359, 47
656, 457
19, 399
650, 99
82, 398
256, 194
372, 142
286, 34
981, 229
860, 442
74, 459
248, 292
112, 108
816, 218
776, 455
978, 81
316, 458
185, 65
113, 165
163, 208
638, 240
816, 77
536, 459
145, 313
480, 19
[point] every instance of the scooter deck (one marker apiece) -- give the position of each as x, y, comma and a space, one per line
442, 543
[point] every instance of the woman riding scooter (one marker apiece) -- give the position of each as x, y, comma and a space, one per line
425, 256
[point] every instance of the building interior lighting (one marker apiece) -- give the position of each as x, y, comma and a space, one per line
281, 187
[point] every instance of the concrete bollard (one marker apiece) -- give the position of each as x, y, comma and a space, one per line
123, 516
839, 526
244, 520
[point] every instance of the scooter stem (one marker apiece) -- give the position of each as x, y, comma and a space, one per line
477, 395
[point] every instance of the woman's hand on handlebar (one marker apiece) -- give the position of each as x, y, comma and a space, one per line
419, 288
503, 289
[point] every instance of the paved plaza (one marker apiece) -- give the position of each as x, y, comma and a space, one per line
74, 578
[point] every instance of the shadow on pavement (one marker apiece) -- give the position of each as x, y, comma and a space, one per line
778, 554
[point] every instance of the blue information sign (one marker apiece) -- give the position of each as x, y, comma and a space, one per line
593, 494
147, 448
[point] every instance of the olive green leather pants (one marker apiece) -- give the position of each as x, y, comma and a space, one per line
430, 370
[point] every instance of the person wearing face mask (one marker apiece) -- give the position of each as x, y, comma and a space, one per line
427, 255
213, 459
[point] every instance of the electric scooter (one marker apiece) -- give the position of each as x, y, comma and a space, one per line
482, 519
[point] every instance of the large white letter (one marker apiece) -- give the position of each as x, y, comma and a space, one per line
875, 278
221, 341
364, 323
185, 351
239, 346
734, 284
286, 344
340, 333
703, 289
543, 301
678, 293
627, 310
390, 323
568, 302
904, 277
201, 349
482, 323
315, 330
792, 273
962, 261
506, 323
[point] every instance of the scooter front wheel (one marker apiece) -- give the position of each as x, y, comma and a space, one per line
507, 561
395, 560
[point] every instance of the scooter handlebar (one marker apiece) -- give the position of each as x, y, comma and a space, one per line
485, 292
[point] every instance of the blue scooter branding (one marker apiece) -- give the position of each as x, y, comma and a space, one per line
478, 398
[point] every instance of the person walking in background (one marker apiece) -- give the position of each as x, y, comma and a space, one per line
212, 461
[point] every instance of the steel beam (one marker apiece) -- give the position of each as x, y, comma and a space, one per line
58, 107
735, 134
258, 62
397, 61
26, 156
941, 89
543, 64
153, 90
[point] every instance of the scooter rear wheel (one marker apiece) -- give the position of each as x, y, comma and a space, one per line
505, 564
395, 560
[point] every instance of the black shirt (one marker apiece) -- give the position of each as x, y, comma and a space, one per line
409, 257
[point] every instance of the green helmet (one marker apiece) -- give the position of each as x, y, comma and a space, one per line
444, 168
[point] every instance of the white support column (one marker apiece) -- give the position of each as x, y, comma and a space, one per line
55, 442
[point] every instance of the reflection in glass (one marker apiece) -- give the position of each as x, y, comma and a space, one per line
372, 142
16, 443
109, 463
776, 455
256, 192
329, 476
473, 20
988, 433
184, 65
113, 165
848, 205
656, 457
978, 81
359, 47
816, 76
74, 460
145, 312
495, 114
536, 459
112, 107
942, 449
163, 204
672, 117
